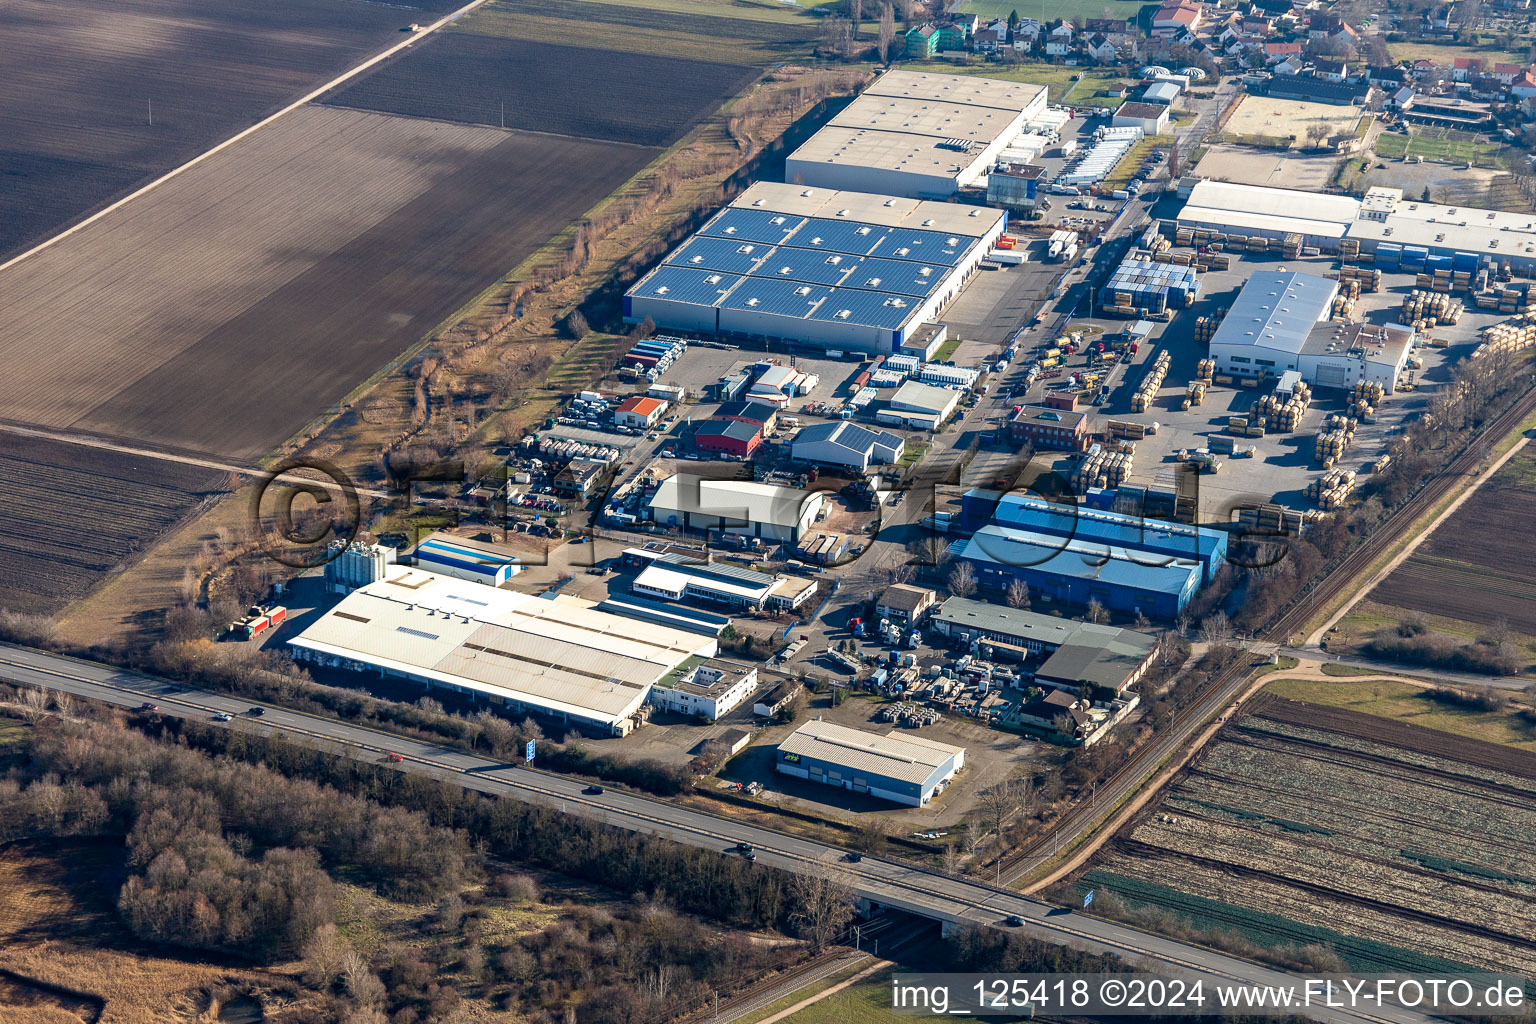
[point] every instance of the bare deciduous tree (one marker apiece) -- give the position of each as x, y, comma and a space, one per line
823, 901
1216, 627
887, 32
1096, 612
1017, 594
962, 580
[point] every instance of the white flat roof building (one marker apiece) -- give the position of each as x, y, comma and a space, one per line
1280, 323
920, 406
560, 657
900, 767
781, 514
911, 133
1271, 212
1492, 234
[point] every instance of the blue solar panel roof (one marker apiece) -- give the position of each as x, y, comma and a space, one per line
677, 284
926, 246
872, 309
808, 265
752, 225
782, 298
725, 254
899, 276
839, 236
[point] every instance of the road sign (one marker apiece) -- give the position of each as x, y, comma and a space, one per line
1088, 899
528, 752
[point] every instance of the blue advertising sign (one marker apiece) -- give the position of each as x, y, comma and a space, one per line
1088, 899
528, 753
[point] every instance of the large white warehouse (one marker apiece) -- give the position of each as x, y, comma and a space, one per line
1320, 220
841, 270
559, 657
1280, 322
917, 134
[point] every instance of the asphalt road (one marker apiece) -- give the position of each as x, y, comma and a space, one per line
898, 886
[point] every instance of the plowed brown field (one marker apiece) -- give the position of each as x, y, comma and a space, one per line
225, 309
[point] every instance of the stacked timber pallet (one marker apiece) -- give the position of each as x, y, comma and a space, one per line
1142, 400
1509, 299
1247, 426
1205, 368
1205, 326
1290, 246
1282, 417
1194, 394
1349, 250
1127, 430
1514, 335
1102, 468
1423, 309
1332, 489
1368, 278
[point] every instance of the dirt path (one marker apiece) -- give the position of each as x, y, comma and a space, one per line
878, 965
353, 72
1413, 545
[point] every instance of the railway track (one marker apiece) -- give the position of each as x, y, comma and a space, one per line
1312, 600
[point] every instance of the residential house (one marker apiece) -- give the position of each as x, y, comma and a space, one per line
1507, 73
991, 38
1255, 26
1026, 32
1402, 99
953, 37
1118, 31
1441, 18
1055, 47
1330, 70
1524, 87
1388, 79
1291, 66
1425, 68
922, 42
1100, 48
1464, 69
1056, 710
1274, 53
1176, 18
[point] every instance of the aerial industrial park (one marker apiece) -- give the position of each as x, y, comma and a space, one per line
679, 511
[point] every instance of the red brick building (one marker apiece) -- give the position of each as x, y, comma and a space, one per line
1049, 429
728, 437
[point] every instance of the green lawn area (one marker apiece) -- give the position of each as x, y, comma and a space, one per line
1444, 53
1067, 9
1429, 144
913, 452
1332, 669
946, 350
868, 1002
1408, 703
1126, 168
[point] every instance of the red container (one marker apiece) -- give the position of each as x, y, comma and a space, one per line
277, 615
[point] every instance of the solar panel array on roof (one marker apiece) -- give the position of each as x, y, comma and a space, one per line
820, 268
752, 225
678, 284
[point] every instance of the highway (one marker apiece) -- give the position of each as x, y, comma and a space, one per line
898, 886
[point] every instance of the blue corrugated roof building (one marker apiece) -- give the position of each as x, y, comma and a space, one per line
1160, 538
1078, 572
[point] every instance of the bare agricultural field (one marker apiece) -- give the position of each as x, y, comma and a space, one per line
80, 79
1260, 115
73, 513
226, 309
1478, 566
1268, 167
740, 33
547, 87
1402, 848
